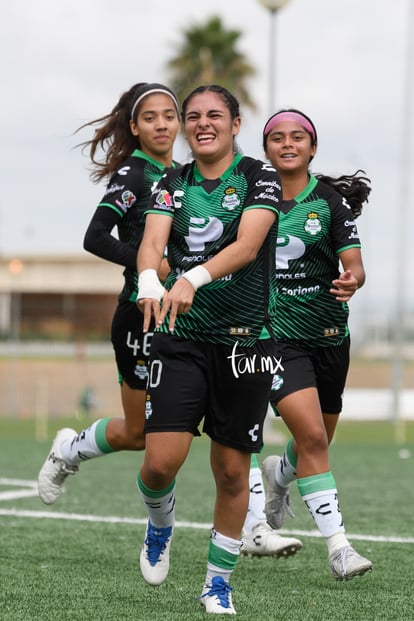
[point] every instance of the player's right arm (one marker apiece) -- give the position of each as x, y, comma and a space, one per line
150, 255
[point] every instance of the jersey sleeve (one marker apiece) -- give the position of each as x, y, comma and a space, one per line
123, 189
264, 186
99, 240
344, 232
162, 200
120, 197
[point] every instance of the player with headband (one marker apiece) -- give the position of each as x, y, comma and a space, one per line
137, 139
316, 235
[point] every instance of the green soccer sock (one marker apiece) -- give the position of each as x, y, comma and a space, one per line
160, 504
223, 554
321, 497
88, 444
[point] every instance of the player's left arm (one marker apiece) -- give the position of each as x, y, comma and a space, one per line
253, 229
352, 277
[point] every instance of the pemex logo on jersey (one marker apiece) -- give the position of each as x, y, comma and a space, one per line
127, 200
313, 224
231, 199
288, 249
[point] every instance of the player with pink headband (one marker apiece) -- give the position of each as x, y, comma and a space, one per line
296, 117
318, 267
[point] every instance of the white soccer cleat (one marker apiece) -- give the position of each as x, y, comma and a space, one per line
54, 471
346, 563
154, 559
277, 497
264, 541
216, 597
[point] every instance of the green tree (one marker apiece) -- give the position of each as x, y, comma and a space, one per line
208, 55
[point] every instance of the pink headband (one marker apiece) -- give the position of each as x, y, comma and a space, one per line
289, 116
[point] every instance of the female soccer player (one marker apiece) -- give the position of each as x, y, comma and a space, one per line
207, 363
316, 233
137, 139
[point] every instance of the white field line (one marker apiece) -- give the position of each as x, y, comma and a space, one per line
22, 493
108, 519
17, 482
30, 491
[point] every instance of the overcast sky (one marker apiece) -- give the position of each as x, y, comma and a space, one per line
343, 62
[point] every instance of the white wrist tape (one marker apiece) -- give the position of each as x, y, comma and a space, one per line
149, 285
197, 276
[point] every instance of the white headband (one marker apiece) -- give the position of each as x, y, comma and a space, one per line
151, 92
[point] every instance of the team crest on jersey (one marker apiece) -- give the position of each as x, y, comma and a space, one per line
148, 407
141, 370
313, 224
127, 200
277, 382
231, 199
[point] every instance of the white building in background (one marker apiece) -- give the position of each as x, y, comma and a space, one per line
35, 283
28, 281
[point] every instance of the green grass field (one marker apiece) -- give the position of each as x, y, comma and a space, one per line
78, 560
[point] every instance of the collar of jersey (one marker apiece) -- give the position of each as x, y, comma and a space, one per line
199, 177
309, 188
148, 158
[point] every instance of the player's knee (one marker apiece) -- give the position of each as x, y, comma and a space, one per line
315, 441
231, 480
158, 470
137, 441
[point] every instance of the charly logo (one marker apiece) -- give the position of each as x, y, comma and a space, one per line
124, 170
253, 434
231, 199
242, 363
313, 224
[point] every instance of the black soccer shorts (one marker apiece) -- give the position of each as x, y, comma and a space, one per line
131, 345
228, 387
323, 368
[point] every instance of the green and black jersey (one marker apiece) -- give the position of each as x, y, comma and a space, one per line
128, 193
206, 216
318, 226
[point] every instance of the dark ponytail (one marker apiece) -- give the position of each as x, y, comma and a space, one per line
354, 188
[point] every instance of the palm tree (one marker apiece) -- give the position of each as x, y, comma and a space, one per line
208, 55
